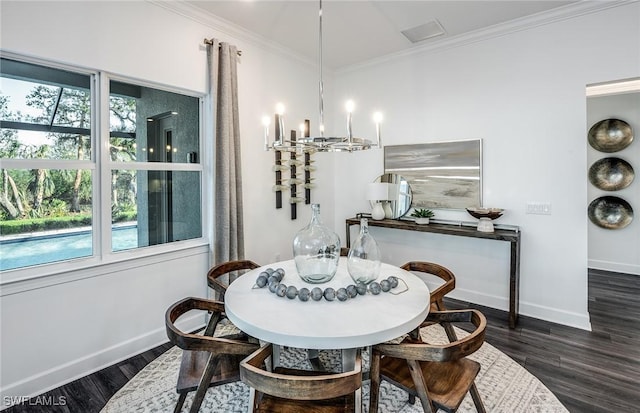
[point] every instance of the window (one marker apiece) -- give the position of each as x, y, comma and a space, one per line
53, 205
150, 127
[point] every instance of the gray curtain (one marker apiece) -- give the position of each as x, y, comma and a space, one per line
227, 191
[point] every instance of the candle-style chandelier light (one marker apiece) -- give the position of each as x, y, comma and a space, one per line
306, 143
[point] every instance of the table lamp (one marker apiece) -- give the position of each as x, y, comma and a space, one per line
376, 192
393, 192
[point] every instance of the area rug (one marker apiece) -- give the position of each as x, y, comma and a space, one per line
504, 385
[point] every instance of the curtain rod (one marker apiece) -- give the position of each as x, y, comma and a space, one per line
210, 42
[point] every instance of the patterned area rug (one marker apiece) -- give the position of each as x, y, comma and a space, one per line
504, 385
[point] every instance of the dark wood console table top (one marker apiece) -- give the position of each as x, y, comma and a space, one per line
509, 234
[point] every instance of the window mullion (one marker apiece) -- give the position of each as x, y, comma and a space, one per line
102, 205
46, 164
155, 166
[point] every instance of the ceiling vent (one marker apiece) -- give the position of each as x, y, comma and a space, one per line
424, 31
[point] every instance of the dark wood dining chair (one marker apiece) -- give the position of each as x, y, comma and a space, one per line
206, 361
439, 374
437, 295
220, 276
286, 390
231, 269
344, 251
439, 271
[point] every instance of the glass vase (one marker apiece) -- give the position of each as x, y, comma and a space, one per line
316, 250
363, 261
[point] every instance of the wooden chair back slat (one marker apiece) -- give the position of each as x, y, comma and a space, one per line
216, 273
305, 387
439, 271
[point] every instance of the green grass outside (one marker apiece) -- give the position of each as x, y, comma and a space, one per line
26, 226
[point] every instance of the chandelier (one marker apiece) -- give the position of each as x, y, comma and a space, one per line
310, 144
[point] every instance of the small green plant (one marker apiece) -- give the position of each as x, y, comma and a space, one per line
422, 213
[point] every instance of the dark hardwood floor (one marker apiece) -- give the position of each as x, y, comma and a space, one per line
596, 371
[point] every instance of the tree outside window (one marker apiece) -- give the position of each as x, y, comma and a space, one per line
46, 137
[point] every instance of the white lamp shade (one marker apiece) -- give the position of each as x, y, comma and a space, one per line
378, 191
393, 192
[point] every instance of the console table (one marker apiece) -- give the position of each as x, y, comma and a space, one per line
463, 229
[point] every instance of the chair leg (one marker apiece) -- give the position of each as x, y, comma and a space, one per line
204, 385
374, 386
415, 333
314, 359
421, 386
451, 334
181, 399
448, 328
475, 395
211, 325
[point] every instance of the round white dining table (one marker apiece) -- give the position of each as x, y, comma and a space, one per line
357, 322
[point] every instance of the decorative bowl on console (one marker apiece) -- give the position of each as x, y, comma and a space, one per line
485, 215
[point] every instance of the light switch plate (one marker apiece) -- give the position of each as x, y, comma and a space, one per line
539, 208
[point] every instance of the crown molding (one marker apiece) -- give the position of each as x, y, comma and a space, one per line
240, 33
614, 88
567, 12
230, 29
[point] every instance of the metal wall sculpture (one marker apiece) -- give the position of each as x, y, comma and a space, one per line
610, 135
610, 174
296, 180
610, 212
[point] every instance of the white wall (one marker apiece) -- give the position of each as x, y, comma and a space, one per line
60, 332
616, 250
523, 93
65, 326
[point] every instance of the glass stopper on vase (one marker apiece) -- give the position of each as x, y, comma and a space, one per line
363, 261
316, 250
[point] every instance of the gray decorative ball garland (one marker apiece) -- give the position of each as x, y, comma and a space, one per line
272, 279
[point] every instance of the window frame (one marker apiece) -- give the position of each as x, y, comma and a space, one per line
101, 167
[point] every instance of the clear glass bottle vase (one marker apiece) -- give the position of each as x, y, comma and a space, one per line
316, 250
363, 261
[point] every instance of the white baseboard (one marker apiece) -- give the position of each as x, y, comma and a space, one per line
550, 314
487, 300
83, 366
554, 315
615, 267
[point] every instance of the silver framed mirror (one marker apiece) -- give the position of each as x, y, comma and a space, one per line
399, 197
